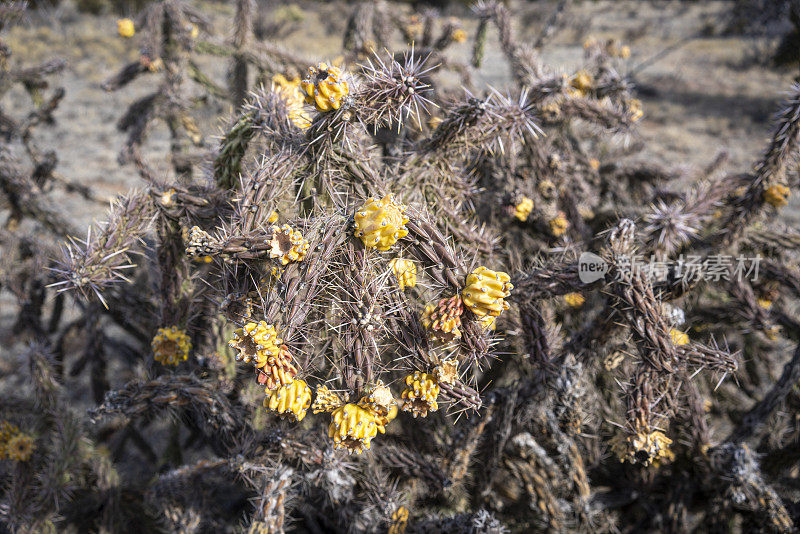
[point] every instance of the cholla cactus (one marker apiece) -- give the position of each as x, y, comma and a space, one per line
171, 346
325, 87
645, 448
381, 223
405, 271
419, 396
290, 400
287, 245
257, 343
353, 427
443, 319
485, 292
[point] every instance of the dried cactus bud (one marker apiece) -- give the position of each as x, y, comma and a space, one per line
446, 372
325, 87
256, 342
353, 427
777, 195
574, 299
198, 243
380, 223
443, 320
287, 245
645, 448
486, 290
678, 338
277, 370
547, 189
19, 447
419, 397
523, 209
171, 346
558, 225
405, 271
292, 96
291, 400
326, 400
126, 28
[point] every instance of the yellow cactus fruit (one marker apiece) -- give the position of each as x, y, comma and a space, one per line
292, 96
272, 217
194, 31
678, 338
580, 84
635, 109
326, 400
7, 431
625, 52
558, 225
446, 372
256, 343
325, 87
443, 320
20, 447
171, 346
291, 400
642, 447
380, 223
399, 521
764, 303
523, 209
405, 271
380, 401
126, 28
574, 300
277, 370
287, 245
488, 322
353, 427
420, 394
459, 36
594, 164
485, 292
777, 195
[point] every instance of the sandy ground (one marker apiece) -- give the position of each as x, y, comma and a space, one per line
708, 95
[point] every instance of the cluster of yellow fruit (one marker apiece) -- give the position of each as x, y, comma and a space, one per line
574, 300
259, 344
171, 345
422, 389
325, 87
293, 97
287, 244
777, 195
354, 425
126, 28
678, 338
646, 448
381, 223
558, 224
15, 445
405, 271
580, 85
523, 209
